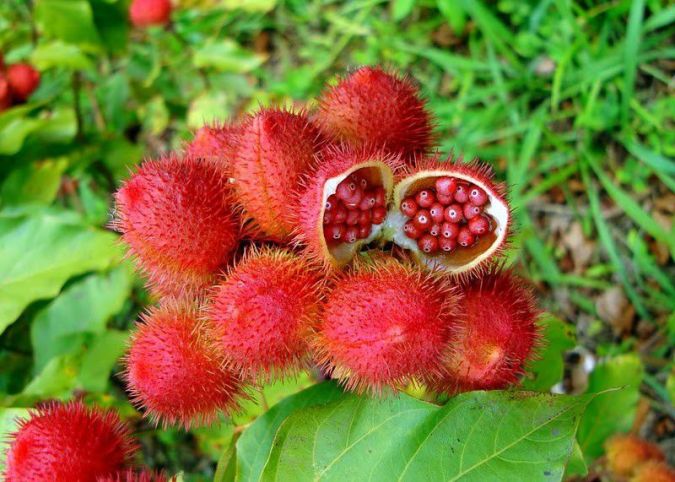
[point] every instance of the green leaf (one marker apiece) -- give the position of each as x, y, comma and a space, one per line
207, 108
476, 436
40, 250
548, 367
15, 127
57, 380
84, 308
59, 54
33, 183
9, 417
401, 9
255, 443
577, 464
226, 56
99, 360
613, 412
69, 20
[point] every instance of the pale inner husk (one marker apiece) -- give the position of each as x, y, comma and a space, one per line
459, 260
378, 174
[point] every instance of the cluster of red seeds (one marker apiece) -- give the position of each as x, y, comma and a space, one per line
352, 211
446, 217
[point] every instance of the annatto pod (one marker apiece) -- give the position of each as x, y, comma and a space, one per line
175, 368
216, 142
274, 148
654, 471
176, 216
496, 334
264, 311
68, 442
343, 202
373, 107
384, 325
626, 452
130, 475
450, 215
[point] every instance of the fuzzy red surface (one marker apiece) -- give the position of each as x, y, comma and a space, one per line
131, 475
176, 216
175, 368
217, 142
68, 443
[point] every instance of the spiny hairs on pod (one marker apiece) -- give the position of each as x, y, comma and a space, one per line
274, 147
130, 475
68, 441
265, 309
496, 334
176, 217
216, 141
385, 324
373, 106
175, 368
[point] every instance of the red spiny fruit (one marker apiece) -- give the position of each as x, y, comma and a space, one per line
470, 201
264, 311
496, 335
385, 325
23, 80
626, 452
217, 142
175, 368
5, 93
654, 471
338, 184
144, 13
68, 442
130, 475
176, 216
374, 107
274, 148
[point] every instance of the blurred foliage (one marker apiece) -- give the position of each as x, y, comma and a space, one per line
571, 102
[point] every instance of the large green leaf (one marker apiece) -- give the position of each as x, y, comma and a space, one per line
40, 250
615, 411
547, 369
476, 436
33, 183
69, 20
83, 309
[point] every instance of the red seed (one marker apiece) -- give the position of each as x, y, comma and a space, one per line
477, 196
331, 202
462, 193
353, 216
340, 214
366, 218
449, 230
479, 225
446, 186
379, 213
346, 189
411, 230
351, 234
368, 201
335, 232
436, 212
364, 231
328, 217
435, 229
428, 244
471, 211
447, 244
380, 197
425, 198
465, 238
363, 182
445, 200
354, 201
453, 213
409, 207
422, 219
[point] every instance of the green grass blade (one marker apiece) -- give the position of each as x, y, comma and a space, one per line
631, 49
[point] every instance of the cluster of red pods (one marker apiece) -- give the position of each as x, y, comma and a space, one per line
352, 211
446, 217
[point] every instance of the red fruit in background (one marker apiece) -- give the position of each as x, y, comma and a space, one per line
626, 452
175, 368
68, 442
5, 93
130, 475
496, 334
144, 13
176, 216
23, 80
216, 142
274, 147
264, 311
337, 164
377, 108
384, 325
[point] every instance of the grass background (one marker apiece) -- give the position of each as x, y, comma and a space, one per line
571, 101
